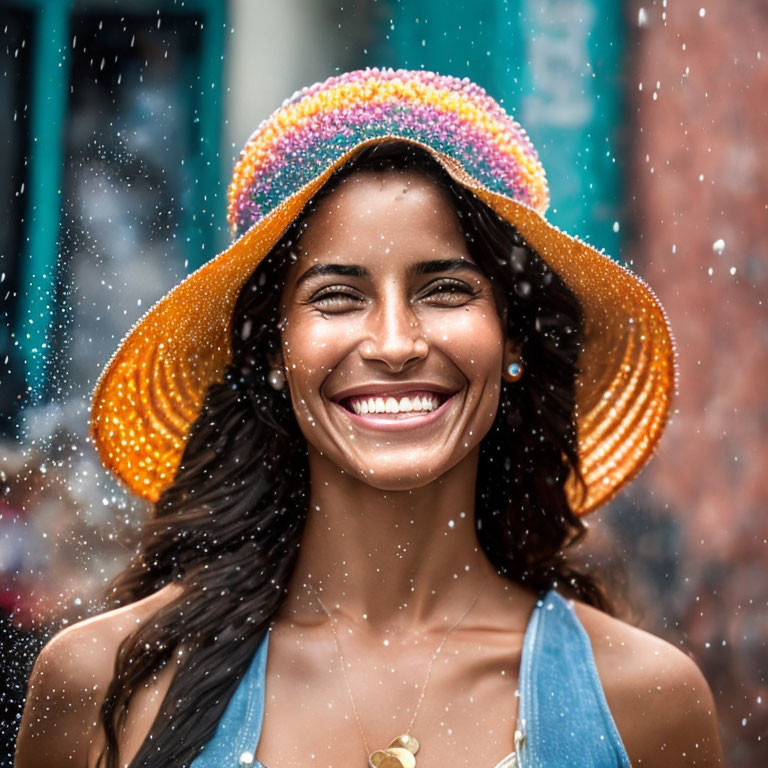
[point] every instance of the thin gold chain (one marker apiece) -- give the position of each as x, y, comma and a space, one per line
429, 667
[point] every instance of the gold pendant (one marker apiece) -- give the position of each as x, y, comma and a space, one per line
399, 754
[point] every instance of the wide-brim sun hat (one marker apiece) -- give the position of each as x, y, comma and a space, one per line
152, 389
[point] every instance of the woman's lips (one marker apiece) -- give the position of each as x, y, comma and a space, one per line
397, 421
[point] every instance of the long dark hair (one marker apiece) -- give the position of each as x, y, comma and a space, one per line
228, 528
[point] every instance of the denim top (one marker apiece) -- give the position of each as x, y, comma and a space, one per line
562, 708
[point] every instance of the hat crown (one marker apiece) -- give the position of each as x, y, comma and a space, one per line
320, 123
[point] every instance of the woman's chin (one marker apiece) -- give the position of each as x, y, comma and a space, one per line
397, 482
400, 470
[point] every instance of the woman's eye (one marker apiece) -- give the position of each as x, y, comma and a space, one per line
334, 298
449, 291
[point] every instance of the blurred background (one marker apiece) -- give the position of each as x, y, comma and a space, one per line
120, 122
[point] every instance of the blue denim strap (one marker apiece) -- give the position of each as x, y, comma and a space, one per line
563, 710
234, 743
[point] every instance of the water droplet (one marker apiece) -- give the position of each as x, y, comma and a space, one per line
719, 246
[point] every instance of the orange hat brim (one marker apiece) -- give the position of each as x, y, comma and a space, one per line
153, 387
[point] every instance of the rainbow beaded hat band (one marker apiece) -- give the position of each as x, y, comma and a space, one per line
152, 389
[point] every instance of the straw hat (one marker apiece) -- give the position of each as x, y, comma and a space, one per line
152, 389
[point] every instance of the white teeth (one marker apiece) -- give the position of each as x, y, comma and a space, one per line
364, 405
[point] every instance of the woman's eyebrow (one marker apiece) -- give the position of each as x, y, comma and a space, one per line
420, 268
443, 265
318, 270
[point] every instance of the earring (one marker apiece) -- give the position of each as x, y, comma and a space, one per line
276, 378
513, 372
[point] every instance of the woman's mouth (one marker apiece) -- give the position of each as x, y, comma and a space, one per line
403, 410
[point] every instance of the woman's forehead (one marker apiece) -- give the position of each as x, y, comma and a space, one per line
378, 211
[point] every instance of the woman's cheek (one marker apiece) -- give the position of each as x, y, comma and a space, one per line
471, 337
315, 344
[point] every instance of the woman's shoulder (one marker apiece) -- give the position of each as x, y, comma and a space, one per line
82, 648
659, 699
69, 681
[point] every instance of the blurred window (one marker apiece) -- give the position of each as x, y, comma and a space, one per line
128, 188
111, 187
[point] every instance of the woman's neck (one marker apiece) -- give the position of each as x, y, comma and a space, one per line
389, 560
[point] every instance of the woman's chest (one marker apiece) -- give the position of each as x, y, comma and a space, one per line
462, 707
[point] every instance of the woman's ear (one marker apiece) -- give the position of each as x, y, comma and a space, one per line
275, 360
512, 351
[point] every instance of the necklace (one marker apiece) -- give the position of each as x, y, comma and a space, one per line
401, 752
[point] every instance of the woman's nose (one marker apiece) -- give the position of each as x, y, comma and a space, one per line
395, 335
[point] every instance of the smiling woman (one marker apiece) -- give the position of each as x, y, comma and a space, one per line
370, 429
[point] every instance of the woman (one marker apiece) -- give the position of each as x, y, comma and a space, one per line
370, 429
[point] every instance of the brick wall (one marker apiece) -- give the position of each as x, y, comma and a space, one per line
693, 531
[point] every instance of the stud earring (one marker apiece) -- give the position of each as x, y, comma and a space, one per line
276, 378
513, 372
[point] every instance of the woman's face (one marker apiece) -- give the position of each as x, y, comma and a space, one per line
392, 343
